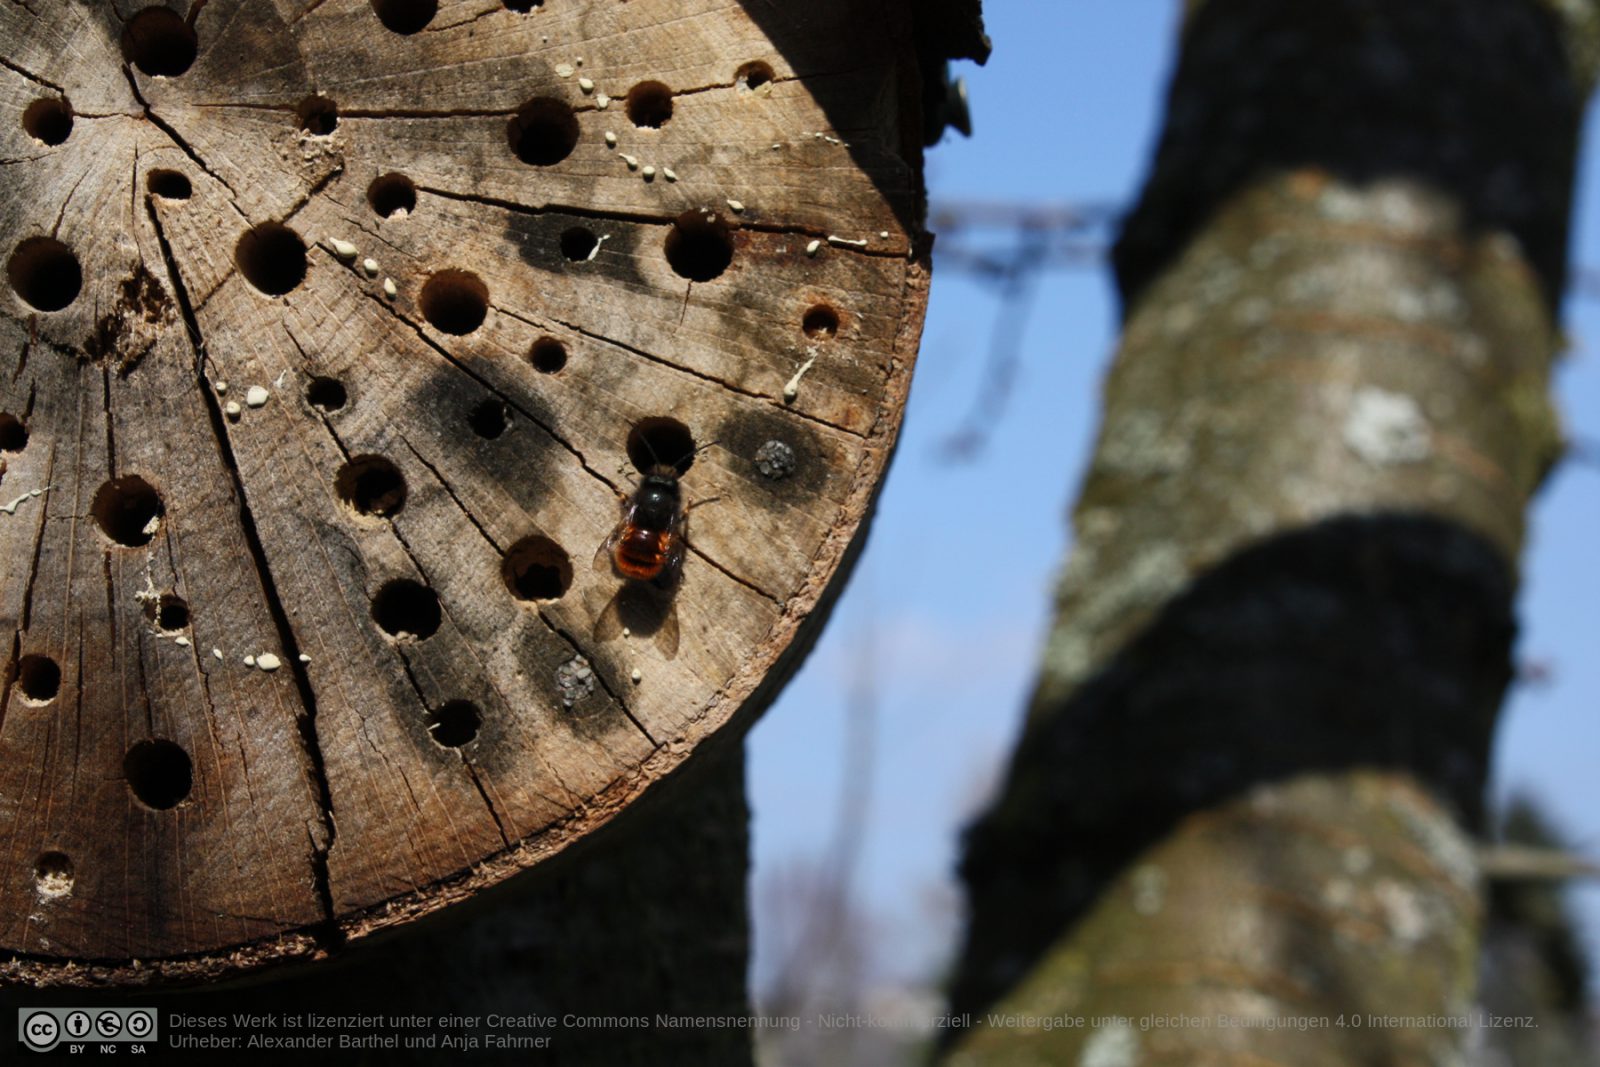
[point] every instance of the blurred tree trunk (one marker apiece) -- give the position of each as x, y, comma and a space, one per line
1239, 825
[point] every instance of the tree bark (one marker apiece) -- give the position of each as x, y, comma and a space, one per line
1239, 825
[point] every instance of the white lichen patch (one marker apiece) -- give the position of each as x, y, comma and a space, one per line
813, 248
268, 662
1404, 911
389, 289
1113, 1045
257, 396
736, 206
611, 138
586, 84
370, 266
343, 249
1386, 428
1339, 893
565, 70
1144, 442
602, 101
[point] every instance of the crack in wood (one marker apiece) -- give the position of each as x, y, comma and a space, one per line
583, 211
573, 799
692, 372
490, 386
26, 73
328, 931
306, 11
538, 612
553, 435
175, 137
494, 813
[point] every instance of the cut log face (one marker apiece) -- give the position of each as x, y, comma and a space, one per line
335, 335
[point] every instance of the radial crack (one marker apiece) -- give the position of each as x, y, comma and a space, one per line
723, 382
307, 720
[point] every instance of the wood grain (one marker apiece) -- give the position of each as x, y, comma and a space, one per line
196, 421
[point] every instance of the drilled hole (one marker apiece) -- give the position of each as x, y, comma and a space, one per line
649, 105
48, 119
752, 76
13, 434
523, 6
547, 355
407, 609
271, 257
169, 185
454, 301
821, 322
544, 131
578, 244
455, 724
38, 679
159, 42
405, 16
699, 246
392, 195
490, 418
169, 612
45, 273
326, 394
52, 874
159, 773
660, 442
536, 568
318, 115
371, 485
128, 510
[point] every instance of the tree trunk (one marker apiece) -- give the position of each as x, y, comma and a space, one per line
336, 331
1239, 825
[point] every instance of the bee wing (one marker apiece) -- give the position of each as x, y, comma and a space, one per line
603, 556
645, 611
608, 625
667, 636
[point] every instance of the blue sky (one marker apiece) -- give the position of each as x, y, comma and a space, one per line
1066, 111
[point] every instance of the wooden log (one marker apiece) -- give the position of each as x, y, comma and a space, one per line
335, 332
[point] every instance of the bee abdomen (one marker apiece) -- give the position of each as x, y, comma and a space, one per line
642, 553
